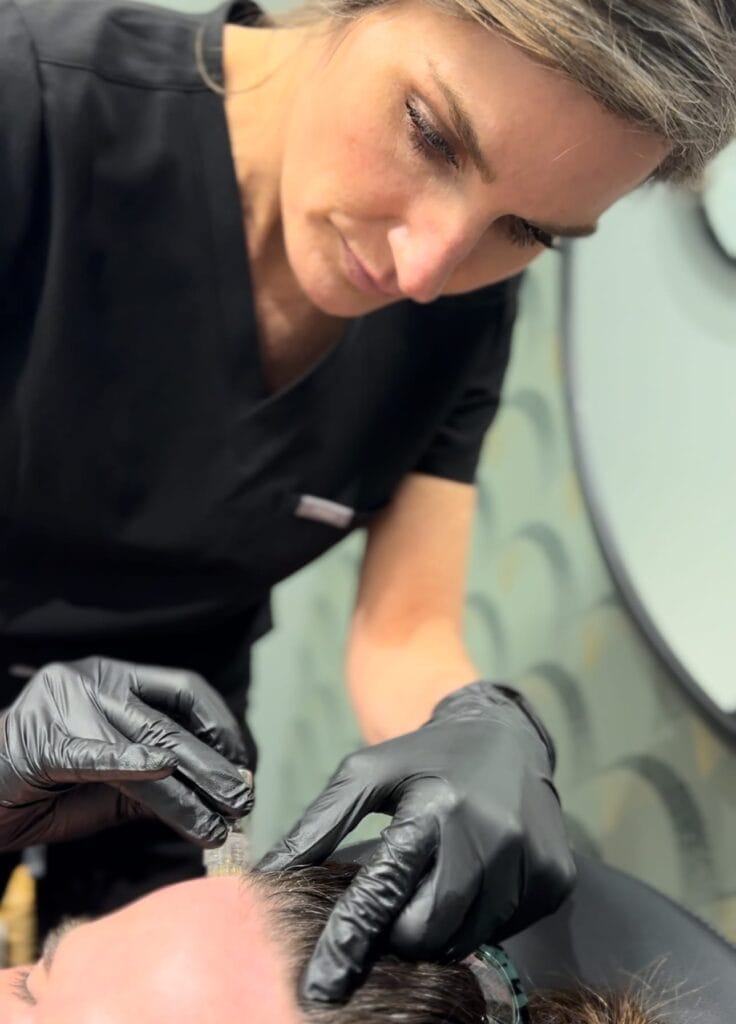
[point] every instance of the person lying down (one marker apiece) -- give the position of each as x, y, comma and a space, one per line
229, 950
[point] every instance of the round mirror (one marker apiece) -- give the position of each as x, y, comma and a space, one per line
718, 200
651, 375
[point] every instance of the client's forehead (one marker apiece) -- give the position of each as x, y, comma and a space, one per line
200, 950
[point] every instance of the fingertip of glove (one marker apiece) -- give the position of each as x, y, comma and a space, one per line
568, 880
241, 803
271, 862
244, 797
212, 838
314, 988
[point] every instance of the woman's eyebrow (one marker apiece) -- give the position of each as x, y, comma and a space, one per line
463, 125
570, 231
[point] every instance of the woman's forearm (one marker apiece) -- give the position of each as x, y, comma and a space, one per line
394, 683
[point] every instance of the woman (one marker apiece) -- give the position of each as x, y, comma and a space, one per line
259, 283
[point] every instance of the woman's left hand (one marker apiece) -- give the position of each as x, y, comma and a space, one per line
476, 849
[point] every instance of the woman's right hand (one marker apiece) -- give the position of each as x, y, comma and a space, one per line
96, 742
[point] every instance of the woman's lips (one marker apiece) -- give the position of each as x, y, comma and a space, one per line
360, 277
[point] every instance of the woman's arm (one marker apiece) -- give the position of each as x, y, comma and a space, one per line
406, 649
476, 847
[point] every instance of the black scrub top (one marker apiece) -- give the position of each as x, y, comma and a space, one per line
152, 489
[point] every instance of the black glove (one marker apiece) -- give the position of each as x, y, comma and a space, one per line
96, 742
476, 849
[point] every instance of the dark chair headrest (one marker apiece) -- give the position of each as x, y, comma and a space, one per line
614, 928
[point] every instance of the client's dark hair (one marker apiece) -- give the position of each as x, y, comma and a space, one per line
400, 992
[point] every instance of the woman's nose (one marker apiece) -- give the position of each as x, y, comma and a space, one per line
427, 251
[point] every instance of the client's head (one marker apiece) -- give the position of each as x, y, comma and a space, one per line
231, 950
199, 952
400, 992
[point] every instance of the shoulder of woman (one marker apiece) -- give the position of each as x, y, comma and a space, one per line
137, 43
20, 129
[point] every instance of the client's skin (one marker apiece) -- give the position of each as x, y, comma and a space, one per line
198, 951
230, 949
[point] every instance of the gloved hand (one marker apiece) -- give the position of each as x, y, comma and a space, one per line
476, 849
96, 742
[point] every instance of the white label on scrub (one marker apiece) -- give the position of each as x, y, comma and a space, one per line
324, 511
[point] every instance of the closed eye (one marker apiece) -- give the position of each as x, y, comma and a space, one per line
20, 988
430, 143
426, 139
523, 234
51, 944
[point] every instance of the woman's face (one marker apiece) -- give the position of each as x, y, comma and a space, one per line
428, 153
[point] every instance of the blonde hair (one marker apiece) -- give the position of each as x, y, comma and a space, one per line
666, 66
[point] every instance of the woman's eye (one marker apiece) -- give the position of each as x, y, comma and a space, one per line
425, 138
523, 233
430, 143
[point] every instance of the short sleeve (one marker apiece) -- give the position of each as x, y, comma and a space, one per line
486, 322
21, 189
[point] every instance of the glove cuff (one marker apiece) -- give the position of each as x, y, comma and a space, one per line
482, 695
521, 702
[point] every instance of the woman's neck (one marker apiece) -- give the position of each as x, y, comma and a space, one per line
262, 68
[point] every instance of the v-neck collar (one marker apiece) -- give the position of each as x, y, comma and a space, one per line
239, 322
